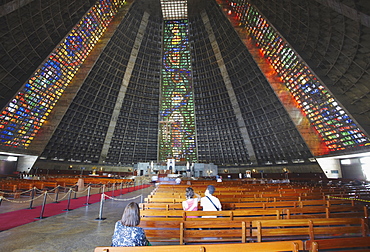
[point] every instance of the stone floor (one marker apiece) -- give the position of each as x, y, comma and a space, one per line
78, 230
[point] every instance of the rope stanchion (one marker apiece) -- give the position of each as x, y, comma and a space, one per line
101, 208
34, 194
103, 196
132, 198
32, 197
69, 200
75, 197
88, 195
56, 194
43, 207
21, 201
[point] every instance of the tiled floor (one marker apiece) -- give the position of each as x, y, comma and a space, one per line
76, 230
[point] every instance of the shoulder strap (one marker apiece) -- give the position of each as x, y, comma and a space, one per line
213, 203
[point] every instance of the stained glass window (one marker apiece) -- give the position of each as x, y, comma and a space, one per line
334, 125
177, 124
24, 115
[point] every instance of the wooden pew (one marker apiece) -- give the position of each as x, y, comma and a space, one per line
212, 231
291, 204
161, 229
263, 203
161, 206
164, 200
303, 229
337, 211
164, 226
179, 214
278, 246
326, 202
45, 185
240, 199
245, 214
348, 211
344, 244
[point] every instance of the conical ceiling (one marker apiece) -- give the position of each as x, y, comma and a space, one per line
110, 112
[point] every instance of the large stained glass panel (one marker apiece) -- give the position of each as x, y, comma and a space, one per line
177, 122
24, 115
333, 124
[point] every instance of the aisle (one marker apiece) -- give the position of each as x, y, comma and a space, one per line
27, 215
69, 231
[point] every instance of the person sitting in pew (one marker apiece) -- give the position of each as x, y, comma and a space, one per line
126, 231
191, 203
210, 202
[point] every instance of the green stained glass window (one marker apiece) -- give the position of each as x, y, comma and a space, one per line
177, 122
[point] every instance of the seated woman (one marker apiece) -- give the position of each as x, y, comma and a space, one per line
190, 204
126, 231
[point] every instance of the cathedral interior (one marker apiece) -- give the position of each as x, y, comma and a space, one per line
236, 83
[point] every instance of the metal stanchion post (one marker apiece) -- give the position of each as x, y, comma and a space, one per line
69, 200
1, 199
113, 189
32, 197
88, 195
141, 198
101, 208
43, 206
75, 189
56, 194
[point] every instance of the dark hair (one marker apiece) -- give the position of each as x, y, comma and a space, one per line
189, 193
211, 189
131, 215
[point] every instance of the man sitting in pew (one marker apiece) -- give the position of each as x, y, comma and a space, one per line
210, 202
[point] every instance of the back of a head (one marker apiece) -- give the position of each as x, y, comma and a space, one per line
211, 189
189, 193
131, 215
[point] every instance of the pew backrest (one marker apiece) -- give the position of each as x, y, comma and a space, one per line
245, 214
161, 229
304, 229
294, 246
212, 231
344, 244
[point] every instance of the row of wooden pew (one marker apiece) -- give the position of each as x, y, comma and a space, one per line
18, 185
338, 211
212, 230
264, 204
256, 218
260, 191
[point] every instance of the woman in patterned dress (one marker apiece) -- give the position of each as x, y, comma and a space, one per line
126, 231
